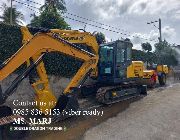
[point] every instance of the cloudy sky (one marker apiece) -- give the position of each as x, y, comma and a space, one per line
129, 16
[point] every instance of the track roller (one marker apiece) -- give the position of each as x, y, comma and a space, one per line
110, 95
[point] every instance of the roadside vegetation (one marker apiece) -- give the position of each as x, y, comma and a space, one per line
57, 64
164, 53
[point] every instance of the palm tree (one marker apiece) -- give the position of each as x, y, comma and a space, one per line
54, 5
17, 16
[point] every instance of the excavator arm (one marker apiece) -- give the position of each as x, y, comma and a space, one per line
47, 41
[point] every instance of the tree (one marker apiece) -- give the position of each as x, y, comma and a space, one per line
17, 16
55, 5
148, 55
100, 37
166, 54
50, 16
146, 47
49, 19
138, 55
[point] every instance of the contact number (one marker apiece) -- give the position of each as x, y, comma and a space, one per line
36, 112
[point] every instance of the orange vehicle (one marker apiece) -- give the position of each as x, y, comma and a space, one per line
157, 73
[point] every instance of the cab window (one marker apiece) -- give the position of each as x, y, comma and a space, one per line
129, 53
120, 56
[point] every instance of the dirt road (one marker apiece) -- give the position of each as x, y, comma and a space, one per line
155, 117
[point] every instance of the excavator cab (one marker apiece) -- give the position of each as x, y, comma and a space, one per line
114, 59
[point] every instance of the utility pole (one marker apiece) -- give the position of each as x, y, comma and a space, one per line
160, 34
159, 28
85, 27
11, 13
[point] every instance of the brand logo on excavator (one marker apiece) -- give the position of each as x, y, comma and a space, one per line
73, 38
55, 35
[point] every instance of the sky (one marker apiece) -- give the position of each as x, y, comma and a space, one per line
124, 16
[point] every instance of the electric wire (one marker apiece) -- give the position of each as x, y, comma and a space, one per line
70, 18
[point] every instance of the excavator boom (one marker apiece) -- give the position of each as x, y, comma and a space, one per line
46, 41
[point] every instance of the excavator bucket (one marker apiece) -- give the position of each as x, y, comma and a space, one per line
65, 104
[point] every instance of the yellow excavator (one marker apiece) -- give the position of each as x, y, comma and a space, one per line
110, 64
114, 67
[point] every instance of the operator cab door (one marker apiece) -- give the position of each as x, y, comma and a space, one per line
106, 63
123, 53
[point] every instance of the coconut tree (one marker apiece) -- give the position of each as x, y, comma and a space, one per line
17, 16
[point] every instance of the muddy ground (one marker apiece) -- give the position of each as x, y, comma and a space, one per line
155, 116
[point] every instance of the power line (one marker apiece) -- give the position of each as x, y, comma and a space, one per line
34, 2
125, 34
26, 4
96, 22
72, 19
103, 28
32, 10
94, 25
87, 19
137, 36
